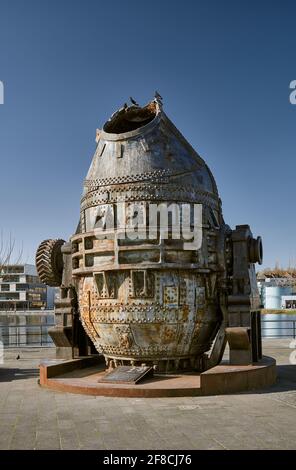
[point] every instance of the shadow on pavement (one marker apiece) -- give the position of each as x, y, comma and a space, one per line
285, 382
286, 378
9, 375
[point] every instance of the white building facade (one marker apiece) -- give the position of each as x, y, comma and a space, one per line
21, 289
277, 293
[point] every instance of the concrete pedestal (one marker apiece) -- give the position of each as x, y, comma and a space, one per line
82, 376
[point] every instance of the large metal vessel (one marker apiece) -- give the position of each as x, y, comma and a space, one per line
153, 299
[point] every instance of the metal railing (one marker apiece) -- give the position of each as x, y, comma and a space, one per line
278, 331
37, 335
13, 336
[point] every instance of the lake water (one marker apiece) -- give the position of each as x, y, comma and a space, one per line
278, 325
25, 329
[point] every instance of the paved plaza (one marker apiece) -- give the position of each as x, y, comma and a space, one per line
35, 418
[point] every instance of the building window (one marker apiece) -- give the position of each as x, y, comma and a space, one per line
33, 279
14, 269
9, 278
9, 296
5, 288
21, 287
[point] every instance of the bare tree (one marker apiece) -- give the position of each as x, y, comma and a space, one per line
284, 276
8, 254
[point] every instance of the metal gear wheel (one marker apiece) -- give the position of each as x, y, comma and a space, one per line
49, 262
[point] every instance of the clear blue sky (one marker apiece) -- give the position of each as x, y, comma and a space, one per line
222, 67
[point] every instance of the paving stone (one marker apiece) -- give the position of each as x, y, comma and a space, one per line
48, 444
22, 440
32, 417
